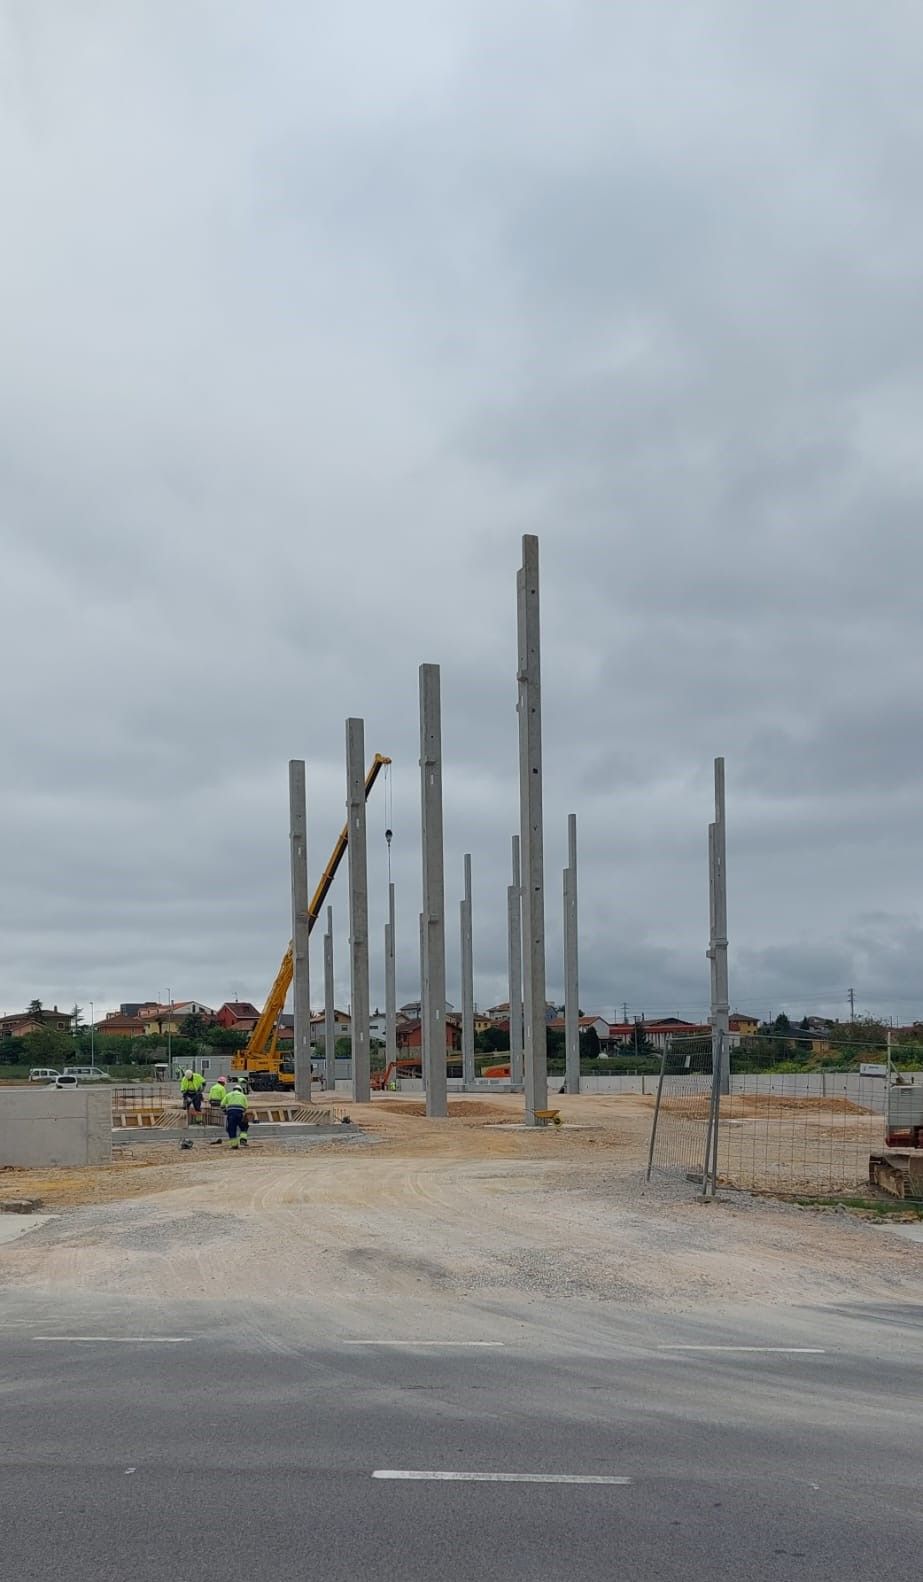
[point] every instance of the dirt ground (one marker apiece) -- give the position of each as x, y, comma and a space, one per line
412, 1210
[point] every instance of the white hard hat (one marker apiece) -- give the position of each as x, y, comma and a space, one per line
190, 1072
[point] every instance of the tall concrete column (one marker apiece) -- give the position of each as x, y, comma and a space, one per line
720, 942
514, 944
571, 986
301, 986
424, 1048
390, 984
531, 822
467, 981
358, 911
434, 1028
330, 1030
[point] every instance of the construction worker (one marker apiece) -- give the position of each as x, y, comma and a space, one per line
235, 1113
191, 1084
215, 1102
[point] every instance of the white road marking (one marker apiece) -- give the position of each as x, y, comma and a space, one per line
123, 1340
415, 1343
495, 1477
797, 1351
129, 1470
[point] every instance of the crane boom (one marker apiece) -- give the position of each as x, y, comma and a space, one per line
260, 1056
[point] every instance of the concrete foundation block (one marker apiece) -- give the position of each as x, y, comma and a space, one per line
55, 1126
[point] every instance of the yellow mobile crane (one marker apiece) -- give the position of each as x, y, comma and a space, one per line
261, 1060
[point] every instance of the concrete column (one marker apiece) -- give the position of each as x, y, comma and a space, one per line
358, 911
571, 985
434, 1029
531, 831
514, 938
390, 984
330, 1031
467, 981
722, 992
424, 1048
301, 986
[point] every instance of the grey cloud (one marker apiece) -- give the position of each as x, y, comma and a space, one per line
308, 318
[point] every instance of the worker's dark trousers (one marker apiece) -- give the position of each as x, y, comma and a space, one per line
236, 1122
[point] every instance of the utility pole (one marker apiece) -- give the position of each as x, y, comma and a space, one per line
718, 945
358, 911
625, 1011
301, 987
571, 988
531, 829
852, 1005
434, 1028
514, 933
330, 1028
467, 982
390, 984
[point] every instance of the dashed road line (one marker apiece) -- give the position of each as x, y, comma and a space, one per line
403, 1476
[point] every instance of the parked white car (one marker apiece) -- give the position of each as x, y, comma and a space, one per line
90, 1074
65, 1080
43, 1074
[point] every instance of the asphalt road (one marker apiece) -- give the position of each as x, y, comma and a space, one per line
228, 1443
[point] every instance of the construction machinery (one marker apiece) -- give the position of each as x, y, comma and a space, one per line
898, 1169
265, 1067
412, 1067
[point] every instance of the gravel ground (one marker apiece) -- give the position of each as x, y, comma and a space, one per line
441, 1212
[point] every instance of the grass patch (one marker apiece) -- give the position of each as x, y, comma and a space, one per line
867, 1207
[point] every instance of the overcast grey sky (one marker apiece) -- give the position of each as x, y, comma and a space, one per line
308, 313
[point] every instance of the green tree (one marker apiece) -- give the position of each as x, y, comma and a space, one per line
193, 1026
76, 1019
640, 1043
36, 1010
343, 1049
589, 1044
224, 1038
491, 1041
47, 1044
12, 1052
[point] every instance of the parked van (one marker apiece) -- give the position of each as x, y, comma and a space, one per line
43, 1074
90, 1074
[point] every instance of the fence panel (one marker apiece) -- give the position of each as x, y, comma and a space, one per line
681, 1127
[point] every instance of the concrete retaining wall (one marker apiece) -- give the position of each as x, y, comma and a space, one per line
55, 1126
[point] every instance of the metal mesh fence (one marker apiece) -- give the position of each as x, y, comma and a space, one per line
679, 1136
811, 1131
800, 1131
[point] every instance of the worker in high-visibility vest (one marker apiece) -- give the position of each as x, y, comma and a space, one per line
191, 1084
235, 1114
216, 1092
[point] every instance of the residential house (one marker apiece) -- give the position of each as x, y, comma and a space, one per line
239, 1016
410, 1035
620, 1036
501, 1013
115, 1024
743, 1026
482, 1022
342, 1023
598, 1023
18, 1023
162, 1019
413, 1010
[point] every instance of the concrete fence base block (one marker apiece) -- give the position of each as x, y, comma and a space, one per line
55, 1126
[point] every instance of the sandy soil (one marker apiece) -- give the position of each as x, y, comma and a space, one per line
415, 1211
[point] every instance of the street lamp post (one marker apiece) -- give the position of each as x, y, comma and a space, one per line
92, 1037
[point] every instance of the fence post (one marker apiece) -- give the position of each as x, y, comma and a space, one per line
650, 1152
